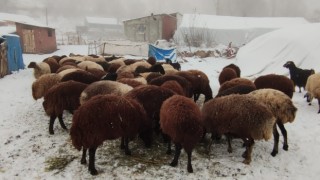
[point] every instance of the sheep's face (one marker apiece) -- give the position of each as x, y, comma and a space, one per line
309, 97
288, 64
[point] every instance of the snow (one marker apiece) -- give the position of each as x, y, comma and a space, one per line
270, 51
27, 147
225, 29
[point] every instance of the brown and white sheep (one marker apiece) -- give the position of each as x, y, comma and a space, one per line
282, 108
41, 85
103, 88
105, 117
180, 118
39, 68
241, 116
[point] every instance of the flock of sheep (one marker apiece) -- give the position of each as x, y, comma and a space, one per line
113, 97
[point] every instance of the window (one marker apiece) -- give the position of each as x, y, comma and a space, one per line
49, 32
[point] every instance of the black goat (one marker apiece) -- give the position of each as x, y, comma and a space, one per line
297, 75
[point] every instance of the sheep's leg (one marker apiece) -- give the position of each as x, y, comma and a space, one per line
122, 146
92, 153
229, 138
61, 121
319, 105
285, 137
84, 154
169, 147
126, 146
247, 153
176, 155
190, 169
52, 119
276, 141
196, 97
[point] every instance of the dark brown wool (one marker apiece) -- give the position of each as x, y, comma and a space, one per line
62, 96
105, 117
235, 82
174, 86
274, 81
180, 118
235, 68
80, 76
227, 74
204, 87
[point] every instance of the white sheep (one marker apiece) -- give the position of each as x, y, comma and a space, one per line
39, 68
282, 108
313, 88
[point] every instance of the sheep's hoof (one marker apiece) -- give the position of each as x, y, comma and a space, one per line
244, 154
309, 104
168, 151
173, 163
128, 152
246, 161
51, 132
190, 169
93, 172
274, 153
229, 150
285, 147
83, 161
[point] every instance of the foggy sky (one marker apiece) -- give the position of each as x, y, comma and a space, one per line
74, 11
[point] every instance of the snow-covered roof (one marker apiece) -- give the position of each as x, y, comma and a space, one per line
105, 21
233, 22
21, 19
7, 30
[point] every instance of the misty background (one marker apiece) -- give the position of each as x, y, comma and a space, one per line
66, 14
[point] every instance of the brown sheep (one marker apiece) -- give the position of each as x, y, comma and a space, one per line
204, 87
152, 76
41, 85
177, 115
131, 82
185, 84
235, 82
282, 108
226, 74
240, 89
274, 81
54, 65
105, 117
174, 86
62, 96
235, 68
80, 76
151, 98
241, 116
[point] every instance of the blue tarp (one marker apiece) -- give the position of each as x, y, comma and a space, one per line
14, 53
162, 54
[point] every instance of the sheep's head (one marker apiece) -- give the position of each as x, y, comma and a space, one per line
32, 65
309, 97
289, 64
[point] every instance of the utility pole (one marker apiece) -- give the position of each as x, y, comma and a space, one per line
47, 16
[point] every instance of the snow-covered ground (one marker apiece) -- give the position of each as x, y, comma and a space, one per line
27, 151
